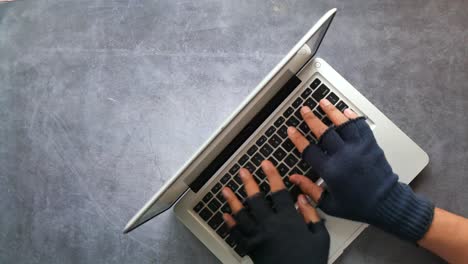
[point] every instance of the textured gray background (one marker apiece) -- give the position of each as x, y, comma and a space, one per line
102, 100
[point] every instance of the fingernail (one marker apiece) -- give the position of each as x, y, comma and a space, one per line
243, 173
293, 179
292, 130
225, 193
325, 102
225, 217
303, 200
348, 111
305, 109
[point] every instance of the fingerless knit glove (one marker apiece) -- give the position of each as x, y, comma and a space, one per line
361, 185
279, 235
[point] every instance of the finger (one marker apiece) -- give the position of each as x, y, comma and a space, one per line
331, 142
232, 200
307, 186
307, 210
273, 176
350, 113
229, 220
313, 122
297, 139
250, 184
332, 112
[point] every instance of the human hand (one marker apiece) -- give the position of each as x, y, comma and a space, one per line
275, 232
361, 185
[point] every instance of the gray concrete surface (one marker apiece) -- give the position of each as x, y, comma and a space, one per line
102, 100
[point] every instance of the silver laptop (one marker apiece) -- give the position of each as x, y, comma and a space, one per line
257, 131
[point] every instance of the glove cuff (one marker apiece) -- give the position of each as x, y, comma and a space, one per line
405, 214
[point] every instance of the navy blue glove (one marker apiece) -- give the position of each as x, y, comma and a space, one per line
280, 236
271, 230
361, 185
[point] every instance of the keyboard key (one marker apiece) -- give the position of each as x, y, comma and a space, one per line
216, 187
250, 167
220, 197
287, 145
306, 93
304, 128
257, 159
320, 110
333, 98
297, 102
257, 179
238, 179
279, 154
205, 214
240, 251
225, 178
303, 165
279, 121
242, 193
275, 141
317, 114
321, 92
265, 187
261, 175
288, 112
296, 153
282, 169
327, 121
311, 138
315, 84
214, 205
223, 231
233, 185
274, 161
266, 150
235, 169
216, 221
226, 209
292, 121
287, 183
243, 159
295, 170
341, 106
230, 241
291, 160
252, 150
283, 132
261, 140
198, 207
239, 197
298, 114
207, 197
270, 131
310, 103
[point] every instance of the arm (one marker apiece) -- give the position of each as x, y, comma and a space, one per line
361, 185
447, 236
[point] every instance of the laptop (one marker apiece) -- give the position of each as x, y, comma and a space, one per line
257, 131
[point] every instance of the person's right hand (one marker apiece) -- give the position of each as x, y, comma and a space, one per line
361, 185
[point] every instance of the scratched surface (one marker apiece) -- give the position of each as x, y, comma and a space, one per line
102, 100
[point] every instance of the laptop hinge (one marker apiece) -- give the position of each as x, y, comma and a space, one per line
245, 133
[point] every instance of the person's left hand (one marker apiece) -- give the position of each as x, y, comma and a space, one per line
275, 232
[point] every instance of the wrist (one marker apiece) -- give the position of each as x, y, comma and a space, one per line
404, 213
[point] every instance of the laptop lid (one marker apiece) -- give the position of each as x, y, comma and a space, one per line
190, 174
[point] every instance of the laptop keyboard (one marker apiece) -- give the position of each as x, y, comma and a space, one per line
272, 144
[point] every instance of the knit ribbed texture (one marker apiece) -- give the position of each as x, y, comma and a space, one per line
404, 213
